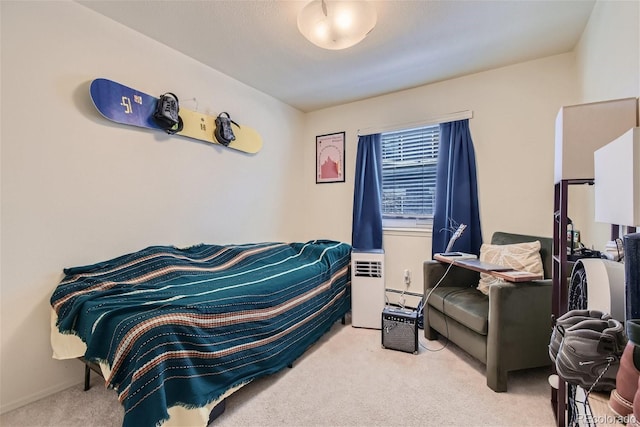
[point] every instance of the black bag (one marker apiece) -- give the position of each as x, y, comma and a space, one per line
223, 132
166, 114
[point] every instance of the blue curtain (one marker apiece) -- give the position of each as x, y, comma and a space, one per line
367, 196
456, 190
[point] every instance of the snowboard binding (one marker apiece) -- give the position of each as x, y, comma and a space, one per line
166, 114
223, 132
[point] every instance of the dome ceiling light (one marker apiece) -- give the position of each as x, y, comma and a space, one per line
337, 24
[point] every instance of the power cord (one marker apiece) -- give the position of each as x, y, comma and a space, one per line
425, 302
433, 350
444, 315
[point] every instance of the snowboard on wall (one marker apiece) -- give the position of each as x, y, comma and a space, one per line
124, 105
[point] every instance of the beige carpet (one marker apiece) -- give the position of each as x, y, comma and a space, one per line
346, 379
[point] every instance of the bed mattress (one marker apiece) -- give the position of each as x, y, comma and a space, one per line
180, 328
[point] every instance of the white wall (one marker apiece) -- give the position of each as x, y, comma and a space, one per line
514, 111
77, 189
608, 54
608, 58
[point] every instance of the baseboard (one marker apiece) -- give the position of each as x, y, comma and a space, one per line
41, 394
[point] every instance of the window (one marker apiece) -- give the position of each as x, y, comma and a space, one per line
409, 161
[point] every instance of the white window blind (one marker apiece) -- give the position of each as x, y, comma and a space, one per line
409, 159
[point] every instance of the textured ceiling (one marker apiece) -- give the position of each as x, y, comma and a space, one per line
414, 42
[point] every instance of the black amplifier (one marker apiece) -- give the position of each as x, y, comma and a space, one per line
400, 329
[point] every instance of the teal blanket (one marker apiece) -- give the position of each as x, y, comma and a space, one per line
182, 326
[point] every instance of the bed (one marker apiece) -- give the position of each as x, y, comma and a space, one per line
176, 330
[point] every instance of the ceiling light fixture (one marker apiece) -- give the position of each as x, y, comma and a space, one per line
337, 24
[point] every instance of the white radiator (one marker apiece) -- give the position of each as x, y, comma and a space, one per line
367, 289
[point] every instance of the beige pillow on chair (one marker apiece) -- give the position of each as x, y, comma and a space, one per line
519, 256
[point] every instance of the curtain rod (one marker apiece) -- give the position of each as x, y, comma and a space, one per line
450, 117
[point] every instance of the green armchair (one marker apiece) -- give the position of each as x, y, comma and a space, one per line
507, 330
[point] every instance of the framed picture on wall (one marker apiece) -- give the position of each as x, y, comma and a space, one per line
330, 158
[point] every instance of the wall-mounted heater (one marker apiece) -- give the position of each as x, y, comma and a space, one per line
367, 288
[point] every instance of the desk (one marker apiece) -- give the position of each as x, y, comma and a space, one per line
508, 275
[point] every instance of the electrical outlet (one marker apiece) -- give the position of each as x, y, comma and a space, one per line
407, 277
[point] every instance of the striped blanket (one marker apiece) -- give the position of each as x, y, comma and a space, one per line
182, 326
